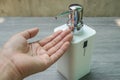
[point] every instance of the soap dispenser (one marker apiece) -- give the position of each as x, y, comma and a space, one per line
75, 63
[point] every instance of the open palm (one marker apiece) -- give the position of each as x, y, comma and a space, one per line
29, 58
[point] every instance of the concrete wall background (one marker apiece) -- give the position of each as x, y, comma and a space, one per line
54, 7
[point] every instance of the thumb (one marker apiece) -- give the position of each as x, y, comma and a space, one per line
27, 34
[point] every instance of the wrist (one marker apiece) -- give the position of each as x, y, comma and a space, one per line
7, 70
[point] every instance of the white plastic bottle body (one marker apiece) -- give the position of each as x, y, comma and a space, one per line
75, 63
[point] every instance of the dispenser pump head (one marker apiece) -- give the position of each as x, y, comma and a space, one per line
75, 15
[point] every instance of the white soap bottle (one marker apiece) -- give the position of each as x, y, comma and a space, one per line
75, 63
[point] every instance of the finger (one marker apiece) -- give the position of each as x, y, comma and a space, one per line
57, 39
58, 45
55, 48
27, 34
60, 52
71, 28
49, 38
68, 37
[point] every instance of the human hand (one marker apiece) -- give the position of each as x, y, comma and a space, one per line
28, 58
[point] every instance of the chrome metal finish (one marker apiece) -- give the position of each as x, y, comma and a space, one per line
75, 16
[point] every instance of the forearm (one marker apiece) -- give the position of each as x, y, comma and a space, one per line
5, 73
7, 70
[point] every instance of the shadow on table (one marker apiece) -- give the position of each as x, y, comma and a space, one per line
89, 76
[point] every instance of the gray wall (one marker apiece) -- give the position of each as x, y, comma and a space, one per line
54, 7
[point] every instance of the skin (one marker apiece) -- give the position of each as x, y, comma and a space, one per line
19, 58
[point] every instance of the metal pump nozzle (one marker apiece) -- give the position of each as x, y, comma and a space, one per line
75, 15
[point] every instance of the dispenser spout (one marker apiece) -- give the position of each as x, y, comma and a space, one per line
75, 16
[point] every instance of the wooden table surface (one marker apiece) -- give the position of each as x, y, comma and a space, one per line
105, 63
